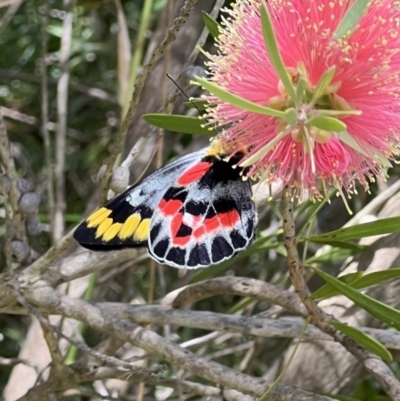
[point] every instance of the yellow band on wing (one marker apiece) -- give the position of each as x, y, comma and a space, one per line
111, 232
97, 217
130, 226
142, 231
103, 227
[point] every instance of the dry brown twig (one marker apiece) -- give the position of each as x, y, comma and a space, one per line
50, 301
45, 118
371, 362
50, 330
62, 110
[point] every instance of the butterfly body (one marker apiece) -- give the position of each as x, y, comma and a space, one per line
194, 212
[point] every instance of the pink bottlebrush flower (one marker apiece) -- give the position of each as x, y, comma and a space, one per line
364, 91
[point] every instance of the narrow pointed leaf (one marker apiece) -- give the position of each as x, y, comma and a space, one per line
263, 151
175, 123
273, 52
376, 308
365, 340
327, 123
351, 18
383, 160
323, 83
328, 290
358, 281
211, 24
349, 140
197, 104
334, 255
300, 91
238, 101
379, 227
338, 113
376, 278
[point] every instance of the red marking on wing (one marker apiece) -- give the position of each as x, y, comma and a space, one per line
171, 207
194, 173
226, 220
229, 219
175, 224
212, 224
199, 232
181, 241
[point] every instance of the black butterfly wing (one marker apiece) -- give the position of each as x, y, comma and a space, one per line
125, 220
206, 217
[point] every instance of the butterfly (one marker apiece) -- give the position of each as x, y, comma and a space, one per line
194, 212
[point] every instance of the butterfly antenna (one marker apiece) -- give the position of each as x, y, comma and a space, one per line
183, 92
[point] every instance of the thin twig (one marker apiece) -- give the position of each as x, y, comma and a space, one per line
371, 362
52, 344
82, 346
294, 264
78, 309
16, 361
170, 37
33, 272
62, 111
242, 286
8, 16
45, 118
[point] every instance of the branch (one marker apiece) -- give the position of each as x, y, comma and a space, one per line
48, 162
371, 362
287, 327
183, 385
246, 287
57, 358
62, 113
33, 272
8, 16
54, 303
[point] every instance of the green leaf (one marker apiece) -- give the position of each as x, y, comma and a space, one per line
273, 52
365, 340
379, 227
345, 245
328, 290
238, 101
197, 104
175, 123
326, 123
351, 18
356, 280
333, 113
264, 150
376, 277
349, 140
300, 91
334, 255
383, 160
211, 24
376, 308
242, 304
323, 83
